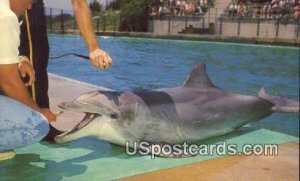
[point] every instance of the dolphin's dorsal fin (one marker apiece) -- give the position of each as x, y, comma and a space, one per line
198, 78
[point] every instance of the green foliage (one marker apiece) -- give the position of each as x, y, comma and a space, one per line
134, 15
64, 16
95, 6
114, 5
122, 15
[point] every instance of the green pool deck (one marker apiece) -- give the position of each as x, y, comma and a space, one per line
97, 160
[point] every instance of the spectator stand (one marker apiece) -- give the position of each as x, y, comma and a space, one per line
279, 11
184, 16
162, 9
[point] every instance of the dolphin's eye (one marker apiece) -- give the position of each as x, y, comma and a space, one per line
114, 116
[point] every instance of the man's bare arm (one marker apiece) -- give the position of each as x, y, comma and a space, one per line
84, 22
13, 86
99, 58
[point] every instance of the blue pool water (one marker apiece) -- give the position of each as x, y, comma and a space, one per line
153, 63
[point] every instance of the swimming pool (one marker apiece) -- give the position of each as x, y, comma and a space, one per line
154, 63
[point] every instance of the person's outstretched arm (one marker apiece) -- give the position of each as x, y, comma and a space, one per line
99, 58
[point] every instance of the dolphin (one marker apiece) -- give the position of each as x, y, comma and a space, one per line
192, 112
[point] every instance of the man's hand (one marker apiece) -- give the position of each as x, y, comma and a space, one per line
100, 59
50, 115
25, 68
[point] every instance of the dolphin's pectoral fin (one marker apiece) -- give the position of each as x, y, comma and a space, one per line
166, 150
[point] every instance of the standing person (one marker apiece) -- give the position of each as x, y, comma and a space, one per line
231, 10
11, 65
296, 11
34, 44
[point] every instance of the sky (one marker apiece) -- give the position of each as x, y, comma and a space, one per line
66, 4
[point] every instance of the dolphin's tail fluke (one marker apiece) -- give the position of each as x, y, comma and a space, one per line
281, 104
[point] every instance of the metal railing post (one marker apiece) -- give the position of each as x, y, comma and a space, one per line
277, 29
258, 27
98, 22
115, 24
216, 17
136, 24
62, 23
239, 26
51, 28
221, 25
297, 27
186, 22
74, 24
104, 23
208, 15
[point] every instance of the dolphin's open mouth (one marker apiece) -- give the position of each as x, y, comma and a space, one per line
91, 109
88, 118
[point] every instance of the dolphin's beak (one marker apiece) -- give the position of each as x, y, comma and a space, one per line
90, 108
72, 106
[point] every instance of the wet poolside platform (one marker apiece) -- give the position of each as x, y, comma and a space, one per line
285, 166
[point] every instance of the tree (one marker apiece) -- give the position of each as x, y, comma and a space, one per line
114, 5
134, 15
95, 6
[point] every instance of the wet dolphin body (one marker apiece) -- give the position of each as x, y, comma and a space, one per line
194, 111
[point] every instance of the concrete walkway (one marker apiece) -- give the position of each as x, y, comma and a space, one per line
285, 166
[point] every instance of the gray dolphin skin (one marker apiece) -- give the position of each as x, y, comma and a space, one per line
195, 111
